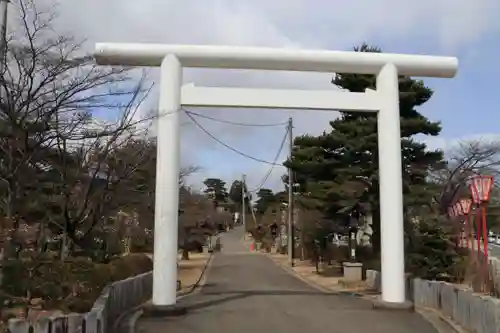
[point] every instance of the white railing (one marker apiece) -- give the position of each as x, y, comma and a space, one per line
474, 312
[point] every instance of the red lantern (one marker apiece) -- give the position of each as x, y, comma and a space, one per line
465, 204
481, 188
458, 208
451, 213
476, 200
458, 212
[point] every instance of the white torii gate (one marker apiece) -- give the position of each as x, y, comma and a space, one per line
384, 101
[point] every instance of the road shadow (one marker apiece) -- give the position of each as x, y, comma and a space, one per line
266, 293
212, 295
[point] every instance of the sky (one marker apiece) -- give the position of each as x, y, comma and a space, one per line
466, 105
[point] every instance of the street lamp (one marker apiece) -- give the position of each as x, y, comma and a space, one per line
480, 187
460, 213
465, 205
453, 214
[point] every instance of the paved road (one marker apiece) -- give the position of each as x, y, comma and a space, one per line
494, 250
248, 293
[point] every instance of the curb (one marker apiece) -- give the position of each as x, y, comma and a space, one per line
133, 320
440, 322
195, 288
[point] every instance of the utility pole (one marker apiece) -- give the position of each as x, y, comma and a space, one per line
4, 6
252, 210
243, 194
291, 241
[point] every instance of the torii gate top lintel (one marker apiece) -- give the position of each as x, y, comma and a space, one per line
234, 57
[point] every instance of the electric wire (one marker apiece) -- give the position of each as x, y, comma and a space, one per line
269, 172
203, 129
234, 122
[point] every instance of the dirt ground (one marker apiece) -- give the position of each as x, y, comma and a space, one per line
307, 272
190, 271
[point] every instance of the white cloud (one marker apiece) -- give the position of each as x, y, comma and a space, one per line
333, 24
279, 22
447, 145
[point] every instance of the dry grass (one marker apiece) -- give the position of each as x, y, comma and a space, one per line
190, 271
307, 271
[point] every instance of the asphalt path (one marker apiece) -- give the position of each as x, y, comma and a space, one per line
248, 293
494, 250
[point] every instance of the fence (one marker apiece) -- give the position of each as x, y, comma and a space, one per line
492, 278
475, 312
494, 265
115, 299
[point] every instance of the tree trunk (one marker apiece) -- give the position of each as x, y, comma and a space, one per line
127, 247
65, 247
185, 254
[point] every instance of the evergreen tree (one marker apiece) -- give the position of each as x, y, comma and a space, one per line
328, 166
432, 255
235, 194
216, 189
265, 199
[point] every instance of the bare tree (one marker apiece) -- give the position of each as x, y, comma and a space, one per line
50, 90
470, 158
187, 171
58, 165
137, 194
197, 211
91, 178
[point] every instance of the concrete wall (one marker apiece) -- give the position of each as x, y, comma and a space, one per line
474, 312
494, 264
115, 300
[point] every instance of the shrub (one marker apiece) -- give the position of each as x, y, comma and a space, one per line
72, 285
258, 233
431, 253
130, 265
194, 245
141, 247
267, 244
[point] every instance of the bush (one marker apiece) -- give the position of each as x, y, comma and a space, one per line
72, 285
431, 253
194, 245
258, 233
141, 247
130, 265
267, 244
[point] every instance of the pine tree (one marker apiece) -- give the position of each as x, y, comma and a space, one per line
265, 199
328, 166
216, 189
432, 255
235, 195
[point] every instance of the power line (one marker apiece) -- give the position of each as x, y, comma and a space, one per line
225, 144
233, 122
268, 174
